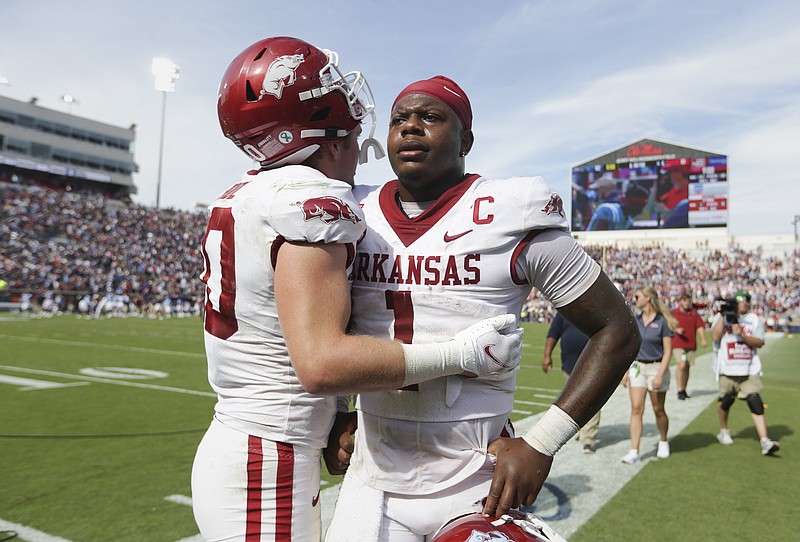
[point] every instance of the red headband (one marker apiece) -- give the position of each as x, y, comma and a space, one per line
445, 90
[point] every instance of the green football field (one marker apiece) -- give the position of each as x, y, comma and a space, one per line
102, 418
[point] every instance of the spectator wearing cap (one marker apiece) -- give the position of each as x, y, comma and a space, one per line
678, 184
604, 190
619, 216
738, 368
672, 198
684, 343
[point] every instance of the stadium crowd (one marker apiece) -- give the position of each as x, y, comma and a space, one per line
76, 252
705, 274
68, 252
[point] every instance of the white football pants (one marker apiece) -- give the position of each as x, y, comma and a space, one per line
247, 489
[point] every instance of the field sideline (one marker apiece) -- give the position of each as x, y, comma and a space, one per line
105, 416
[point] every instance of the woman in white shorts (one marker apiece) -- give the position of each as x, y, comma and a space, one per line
650, 371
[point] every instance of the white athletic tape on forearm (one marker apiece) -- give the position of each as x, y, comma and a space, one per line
427, 361
551, 432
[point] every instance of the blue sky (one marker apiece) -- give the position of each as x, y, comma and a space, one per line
552, 83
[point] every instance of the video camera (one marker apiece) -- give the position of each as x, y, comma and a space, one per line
729, 308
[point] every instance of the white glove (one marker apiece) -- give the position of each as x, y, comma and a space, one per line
491, 348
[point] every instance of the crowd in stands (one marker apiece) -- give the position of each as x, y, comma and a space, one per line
67, 252
706, 274
709, 275
75, 252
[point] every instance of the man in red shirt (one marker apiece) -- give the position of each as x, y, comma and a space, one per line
684, 343
679, 190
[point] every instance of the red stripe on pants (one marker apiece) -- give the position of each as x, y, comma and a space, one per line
255, 461
284, 491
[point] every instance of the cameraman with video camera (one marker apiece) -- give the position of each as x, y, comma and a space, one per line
738, 333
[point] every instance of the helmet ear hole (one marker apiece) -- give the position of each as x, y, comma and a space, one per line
251, 95
321, 115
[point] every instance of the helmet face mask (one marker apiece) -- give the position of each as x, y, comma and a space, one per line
353, 85
281, 97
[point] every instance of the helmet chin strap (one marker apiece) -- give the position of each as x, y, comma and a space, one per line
363, 153
371, 143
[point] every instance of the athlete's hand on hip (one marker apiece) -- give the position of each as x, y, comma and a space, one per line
491, 348
519, 473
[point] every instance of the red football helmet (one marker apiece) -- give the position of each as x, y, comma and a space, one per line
512, 527
281, 97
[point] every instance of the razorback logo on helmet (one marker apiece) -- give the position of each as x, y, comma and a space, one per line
492, 536
555, 205
512, 527
280, 74
328, 209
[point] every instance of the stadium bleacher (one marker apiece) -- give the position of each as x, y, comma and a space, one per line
68, 252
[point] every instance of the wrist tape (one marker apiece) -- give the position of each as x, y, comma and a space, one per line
551, 432
427, 361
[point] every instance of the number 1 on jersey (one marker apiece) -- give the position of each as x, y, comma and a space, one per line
400, 304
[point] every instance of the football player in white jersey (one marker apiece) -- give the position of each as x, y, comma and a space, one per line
276, 252
444, 249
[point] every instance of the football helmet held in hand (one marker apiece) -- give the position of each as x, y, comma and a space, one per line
512, 527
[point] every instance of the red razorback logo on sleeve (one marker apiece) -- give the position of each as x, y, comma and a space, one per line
328, 209
555, 205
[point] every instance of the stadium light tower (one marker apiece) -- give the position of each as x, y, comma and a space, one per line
166, 73
69, 100
795, 221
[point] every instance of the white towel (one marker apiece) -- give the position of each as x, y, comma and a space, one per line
358, 512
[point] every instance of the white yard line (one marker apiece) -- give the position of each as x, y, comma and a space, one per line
29, 534
179, 499
107, 381
121, 347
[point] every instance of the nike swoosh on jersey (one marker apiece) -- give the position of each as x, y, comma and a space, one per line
488, 351
448, 237
315, 500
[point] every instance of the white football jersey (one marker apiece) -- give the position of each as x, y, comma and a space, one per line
248, 362
734, 357
475, 253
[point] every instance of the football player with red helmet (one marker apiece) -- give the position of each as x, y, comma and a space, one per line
276, 253
281, 98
